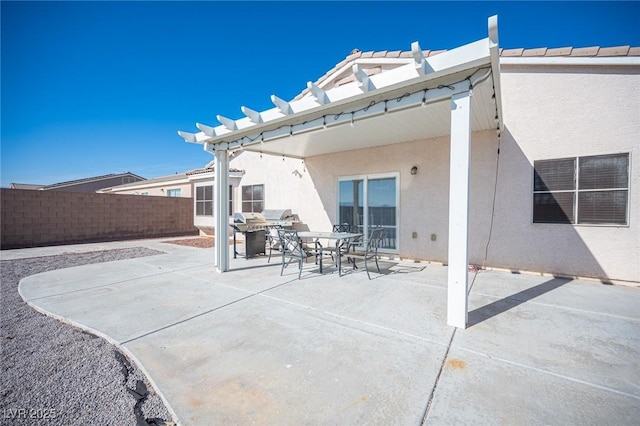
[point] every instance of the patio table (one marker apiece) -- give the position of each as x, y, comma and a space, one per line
338, 237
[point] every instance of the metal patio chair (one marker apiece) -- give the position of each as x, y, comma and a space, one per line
272, 239
369, 250
342, 227
292, 249
343, 248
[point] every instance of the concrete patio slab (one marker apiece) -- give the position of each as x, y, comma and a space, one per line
481, 390
96, 275
251, 346
591, 347
261, 361
133, 308
560, 291
388, 303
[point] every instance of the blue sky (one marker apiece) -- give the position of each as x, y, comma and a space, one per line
91, 88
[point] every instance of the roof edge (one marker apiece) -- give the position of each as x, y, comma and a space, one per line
571, 60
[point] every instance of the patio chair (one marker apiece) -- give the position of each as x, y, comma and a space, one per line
370, 250
293, 249
272, 240
343, 248
343, 227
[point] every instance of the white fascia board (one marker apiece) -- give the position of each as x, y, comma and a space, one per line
345, 91
569, 60
390, 77
469, 55
304, 104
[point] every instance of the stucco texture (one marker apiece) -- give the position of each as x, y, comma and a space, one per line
552, 114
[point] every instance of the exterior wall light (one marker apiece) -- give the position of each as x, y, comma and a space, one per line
414, 170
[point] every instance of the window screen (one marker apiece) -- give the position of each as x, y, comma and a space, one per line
204, 201
253, 198
584, 190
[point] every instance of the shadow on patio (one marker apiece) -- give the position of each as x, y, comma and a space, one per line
498, 307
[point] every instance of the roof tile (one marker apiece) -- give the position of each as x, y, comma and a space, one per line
614, 51
380, 54
394, 54
339, 65
634, 51
512, 52
353, 56
541, 51
585, 51
559, 51
367, 54
434, 52
406, 54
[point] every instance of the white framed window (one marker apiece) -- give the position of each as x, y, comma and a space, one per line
252, 198
591, 190
174, 192
371, 201
204, 200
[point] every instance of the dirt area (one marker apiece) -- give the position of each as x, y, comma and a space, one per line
200, 242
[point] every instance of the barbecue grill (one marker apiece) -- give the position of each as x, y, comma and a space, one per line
253, 226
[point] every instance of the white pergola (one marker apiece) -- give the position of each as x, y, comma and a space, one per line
453, 93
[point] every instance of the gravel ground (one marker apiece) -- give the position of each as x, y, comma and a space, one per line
53, 373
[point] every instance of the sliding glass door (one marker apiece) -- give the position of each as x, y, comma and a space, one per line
368, 202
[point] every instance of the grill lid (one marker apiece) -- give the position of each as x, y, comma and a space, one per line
248, 218
275, 214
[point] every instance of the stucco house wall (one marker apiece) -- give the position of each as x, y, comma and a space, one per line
556, 112
550, 112
206, 223
287, 185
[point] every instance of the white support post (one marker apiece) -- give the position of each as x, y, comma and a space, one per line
458, 259
221, 210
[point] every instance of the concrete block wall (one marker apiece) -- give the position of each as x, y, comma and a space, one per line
40, 218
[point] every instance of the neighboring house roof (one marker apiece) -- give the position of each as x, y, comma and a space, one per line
90, 179
25, 186
372, 56
147, 182
208, 168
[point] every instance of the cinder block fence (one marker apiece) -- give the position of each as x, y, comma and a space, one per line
40, 218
